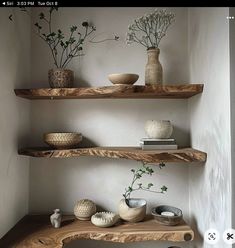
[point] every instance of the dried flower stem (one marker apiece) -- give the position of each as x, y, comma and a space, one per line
149, 30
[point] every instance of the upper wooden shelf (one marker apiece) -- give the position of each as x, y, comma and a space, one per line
37, 232
185, 155
120, 91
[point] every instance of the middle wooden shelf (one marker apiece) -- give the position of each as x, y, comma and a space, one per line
184, 155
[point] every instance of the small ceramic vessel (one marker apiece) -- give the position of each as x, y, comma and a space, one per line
55, 218
104, 219
123, 78
84, 209
158, 129
167, 219
134, 211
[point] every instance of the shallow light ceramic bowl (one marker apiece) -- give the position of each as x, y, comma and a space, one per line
104, 219
62, 140
167, 220
123, 78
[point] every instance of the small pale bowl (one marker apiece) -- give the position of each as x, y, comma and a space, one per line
123, 78
62, 140
104, 219
167, 220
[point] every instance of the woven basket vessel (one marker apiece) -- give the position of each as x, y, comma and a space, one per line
62, 140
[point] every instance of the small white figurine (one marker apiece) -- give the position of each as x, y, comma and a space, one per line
56, 218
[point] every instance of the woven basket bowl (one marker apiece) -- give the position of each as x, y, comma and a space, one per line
62, 140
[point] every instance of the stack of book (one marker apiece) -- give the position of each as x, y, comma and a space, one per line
158, 144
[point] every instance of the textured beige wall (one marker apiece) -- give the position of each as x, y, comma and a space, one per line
232, 95
60, 182
14, 118
210, 186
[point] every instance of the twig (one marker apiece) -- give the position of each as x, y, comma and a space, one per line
152, 26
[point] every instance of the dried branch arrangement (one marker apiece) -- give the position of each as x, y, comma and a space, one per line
149, 30
63, 49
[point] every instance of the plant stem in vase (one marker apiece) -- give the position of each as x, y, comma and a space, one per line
148, 31
62, 48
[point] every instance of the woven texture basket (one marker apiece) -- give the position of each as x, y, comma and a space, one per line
61, 78
62, 140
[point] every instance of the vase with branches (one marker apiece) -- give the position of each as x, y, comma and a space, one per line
134, 209
148, 31
63, 48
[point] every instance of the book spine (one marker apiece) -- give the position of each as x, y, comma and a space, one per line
146, 139
159, 147
157, 142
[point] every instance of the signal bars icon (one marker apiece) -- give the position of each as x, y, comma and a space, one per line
4, 3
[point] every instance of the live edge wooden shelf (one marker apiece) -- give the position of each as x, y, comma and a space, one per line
134, 153
120, 91
35, 231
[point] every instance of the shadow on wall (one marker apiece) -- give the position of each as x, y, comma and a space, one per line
178, 133
23, 139
80, 82
105, 244
87, 142
197, 236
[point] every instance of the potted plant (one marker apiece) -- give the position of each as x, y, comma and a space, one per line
134, 209
148, 31
62, 48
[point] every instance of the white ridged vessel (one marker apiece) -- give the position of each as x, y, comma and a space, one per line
104, 219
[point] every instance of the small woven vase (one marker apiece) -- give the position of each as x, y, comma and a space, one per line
61, 78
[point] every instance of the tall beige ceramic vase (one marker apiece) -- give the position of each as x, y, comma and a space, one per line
153, 69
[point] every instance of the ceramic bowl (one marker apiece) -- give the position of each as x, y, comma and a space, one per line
158, 129
167, 220
134, 211
104, 219
62, 140
123, 78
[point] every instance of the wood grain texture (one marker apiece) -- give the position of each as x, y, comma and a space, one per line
120, 91
133, 153
37, 232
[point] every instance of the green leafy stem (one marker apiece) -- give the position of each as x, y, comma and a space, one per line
63, 49
137, 175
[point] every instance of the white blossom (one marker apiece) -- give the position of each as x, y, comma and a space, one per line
148, 30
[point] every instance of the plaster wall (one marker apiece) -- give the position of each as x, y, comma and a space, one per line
59, 183
232, 94
193, 52
210, 185
14, 118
